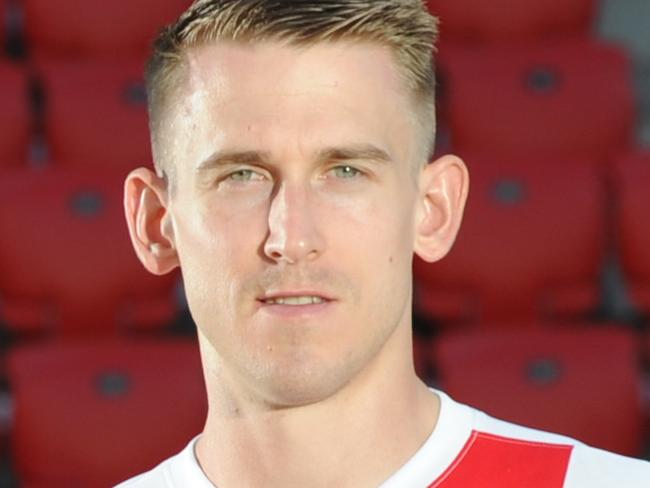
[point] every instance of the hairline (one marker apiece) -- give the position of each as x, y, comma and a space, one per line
177, 73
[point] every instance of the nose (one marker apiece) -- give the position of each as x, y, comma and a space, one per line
293, 232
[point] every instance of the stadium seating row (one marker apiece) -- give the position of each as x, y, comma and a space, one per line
472, 21
543, 99
115, 408
66, 262
74, 94
72, 29
579, 380
521, 253
508, 100
82, 30
533, 241
95, 113
531, 246
531, 121
93, 413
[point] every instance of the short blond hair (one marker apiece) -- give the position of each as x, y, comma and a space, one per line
405, 26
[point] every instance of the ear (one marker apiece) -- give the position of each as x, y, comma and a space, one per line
149, 222
443, 187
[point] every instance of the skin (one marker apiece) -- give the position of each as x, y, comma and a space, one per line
296, 172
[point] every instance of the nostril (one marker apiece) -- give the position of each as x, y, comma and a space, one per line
276, 251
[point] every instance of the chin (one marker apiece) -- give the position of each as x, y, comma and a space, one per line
299, 394
306, 383
293, 376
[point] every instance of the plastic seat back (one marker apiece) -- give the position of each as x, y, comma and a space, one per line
66, 257
531, 244
96, 28
572, 98
96, 113
92, 414
512, 20
579, 381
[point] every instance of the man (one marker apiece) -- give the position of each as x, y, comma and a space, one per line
291, 140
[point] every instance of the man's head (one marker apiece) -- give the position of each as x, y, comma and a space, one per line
403, 26
300, 192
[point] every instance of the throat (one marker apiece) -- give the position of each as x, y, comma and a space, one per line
318, 445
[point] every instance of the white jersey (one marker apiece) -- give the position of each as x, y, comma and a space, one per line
466, 449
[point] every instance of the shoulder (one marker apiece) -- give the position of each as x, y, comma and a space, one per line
156, 478
577, 464
495, 453
179, 471
600, 469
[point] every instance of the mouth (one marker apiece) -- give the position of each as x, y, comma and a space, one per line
303, 306
299, 303
295, 301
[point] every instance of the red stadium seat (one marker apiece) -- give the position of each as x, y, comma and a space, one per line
66, 259
15, 122
573, 98
582, 382
93, 414
512, 20
96, 112
633, 185
531, 244
96, 28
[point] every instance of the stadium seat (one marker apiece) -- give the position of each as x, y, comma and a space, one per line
579, 381
94, 414
15, 121
96, 112
574, 98
66, 258
633, 189
531, 244
512, 20
96, 28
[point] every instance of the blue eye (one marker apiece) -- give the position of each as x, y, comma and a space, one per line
245, 175
346, 172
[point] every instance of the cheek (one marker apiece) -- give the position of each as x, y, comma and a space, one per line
371, 239
217, 246
379, 223
223, 231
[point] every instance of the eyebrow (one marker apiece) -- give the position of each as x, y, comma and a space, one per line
364, 152
356, 152
222, 158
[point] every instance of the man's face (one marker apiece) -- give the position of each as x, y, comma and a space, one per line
293, 210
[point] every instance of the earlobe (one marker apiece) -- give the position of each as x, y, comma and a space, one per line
444, 185
147, 216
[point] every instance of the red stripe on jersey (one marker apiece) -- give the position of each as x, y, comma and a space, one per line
490, 461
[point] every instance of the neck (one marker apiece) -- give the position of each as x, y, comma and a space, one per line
357, 437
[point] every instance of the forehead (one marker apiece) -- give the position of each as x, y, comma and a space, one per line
278, 98
239, 59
